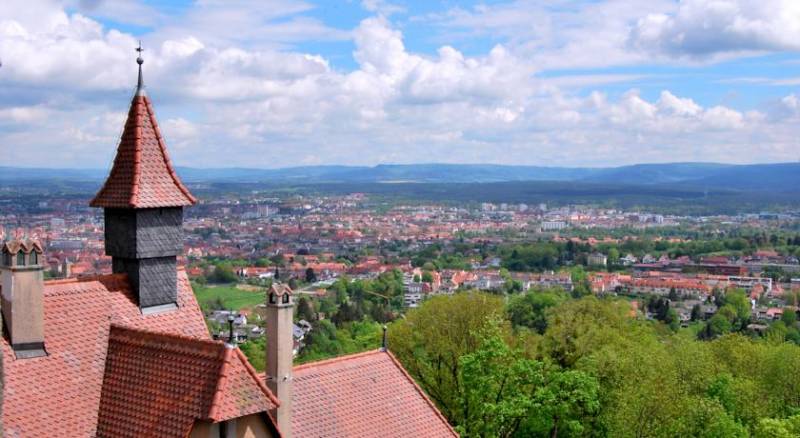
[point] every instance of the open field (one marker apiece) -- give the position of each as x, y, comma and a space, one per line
232, 297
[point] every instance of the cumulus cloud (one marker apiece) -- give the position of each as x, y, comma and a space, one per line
225, 102
703, 28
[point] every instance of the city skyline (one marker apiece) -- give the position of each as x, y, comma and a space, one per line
281, 84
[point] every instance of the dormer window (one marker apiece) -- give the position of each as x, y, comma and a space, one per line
285, 299
34, 258
272, 299
6, 258
20, 258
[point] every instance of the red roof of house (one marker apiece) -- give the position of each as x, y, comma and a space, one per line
59, 394
142, 175
192, 379
364, 395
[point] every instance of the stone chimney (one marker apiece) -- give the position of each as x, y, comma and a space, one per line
280, 345
143, 201
22, 279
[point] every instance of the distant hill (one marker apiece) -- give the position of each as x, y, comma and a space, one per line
782, 177
668, 173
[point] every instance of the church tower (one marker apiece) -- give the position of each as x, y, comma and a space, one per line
143, 201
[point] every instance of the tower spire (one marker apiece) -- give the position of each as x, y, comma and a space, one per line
140, 61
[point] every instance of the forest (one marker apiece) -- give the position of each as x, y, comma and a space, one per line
554, 366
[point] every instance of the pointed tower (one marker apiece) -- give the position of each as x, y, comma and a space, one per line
143, 201
280, 354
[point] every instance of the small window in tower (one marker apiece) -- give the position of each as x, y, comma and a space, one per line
6, 258
20, 258
34, 258
272, 299
285, 298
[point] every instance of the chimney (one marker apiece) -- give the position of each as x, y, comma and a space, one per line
280, 345
22, 279
143, 201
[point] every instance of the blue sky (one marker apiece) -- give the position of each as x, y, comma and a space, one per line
278, 83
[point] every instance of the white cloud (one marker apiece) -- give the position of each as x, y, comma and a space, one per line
681, 106
222, 102
382, 7
23, 115
703, 28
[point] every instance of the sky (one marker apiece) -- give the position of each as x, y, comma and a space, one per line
280, 83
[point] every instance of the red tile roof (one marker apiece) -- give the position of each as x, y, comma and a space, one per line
364, 395
142, 175
59, 394
191, 379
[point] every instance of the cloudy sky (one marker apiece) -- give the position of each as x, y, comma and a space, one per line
277, 83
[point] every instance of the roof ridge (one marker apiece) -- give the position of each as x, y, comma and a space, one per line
259, 381
136, 105
222, 379
85, 279
336, 359
171, 336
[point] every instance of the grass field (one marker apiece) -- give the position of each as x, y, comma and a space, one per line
231, 297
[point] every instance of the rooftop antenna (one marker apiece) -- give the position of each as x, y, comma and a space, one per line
140, 61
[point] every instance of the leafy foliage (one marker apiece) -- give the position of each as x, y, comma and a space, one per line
592, 368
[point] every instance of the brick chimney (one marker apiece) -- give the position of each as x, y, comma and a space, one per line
280, 357
143, 201
22, 279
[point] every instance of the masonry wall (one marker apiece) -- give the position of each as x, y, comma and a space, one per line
26, 324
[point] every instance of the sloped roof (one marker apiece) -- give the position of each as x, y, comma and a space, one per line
364, 395
59, 394
142, 175
191, 379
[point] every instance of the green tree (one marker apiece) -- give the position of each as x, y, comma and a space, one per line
789, 317
697, 312
503, 393
775, 428
431, 339
716, 326
530, 309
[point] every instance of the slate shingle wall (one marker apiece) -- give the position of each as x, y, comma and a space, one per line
144, 233
153, 279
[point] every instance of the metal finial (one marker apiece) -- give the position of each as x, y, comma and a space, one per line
139, 49
140, 61
383, 344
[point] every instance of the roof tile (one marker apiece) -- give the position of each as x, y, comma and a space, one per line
361, 395
192, 379
142, 175
59, 394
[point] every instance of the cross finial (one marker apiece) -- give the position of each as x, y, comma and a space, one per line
140, 61
139, 49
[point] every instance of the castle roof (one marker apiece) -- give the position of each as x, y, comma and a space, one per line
100, 346
142, 175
